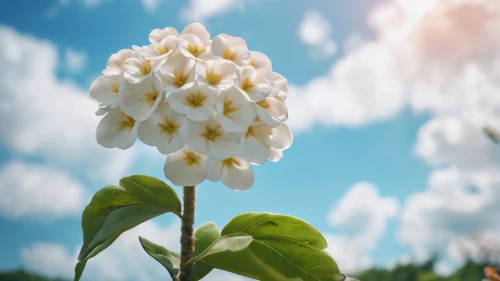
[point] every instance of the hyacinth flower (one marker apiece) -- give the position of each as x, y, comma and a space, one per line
214, 109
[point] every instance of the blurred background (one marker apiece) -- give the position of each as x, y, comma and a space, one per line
389, 101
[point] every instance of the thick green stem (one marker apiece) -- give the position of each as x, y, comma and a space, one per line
187, 239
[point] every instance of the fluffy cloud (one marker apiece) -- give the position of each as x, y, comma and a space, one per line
151, 5
200, 10
316, 32
362, 226
48, 118
74, 60
123, 260
30, 190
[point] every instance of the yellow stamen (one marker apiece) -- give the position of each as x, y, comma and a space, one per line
146, 67
230, 162
162, 49
229, 54
246, 84
252, 62
128, 123
211, 134
191, 158
195, 50
228, 109
264, 103
150, 98
212, 77
115, 88
168, 127
195, 100
179, 79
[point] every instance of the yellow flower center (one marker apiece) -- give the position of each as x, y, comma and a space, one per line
211, 134
195, 100
146, 67
162, 49
229, 54
179, 79
115, 88
150, 98
168, 127
128, 123
191, 158
195, 50
227, 110
230, 162
264, 103
252, 62
246, 84
212, 77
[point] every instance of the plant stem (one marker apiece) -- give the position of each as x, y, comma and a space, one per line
187, 239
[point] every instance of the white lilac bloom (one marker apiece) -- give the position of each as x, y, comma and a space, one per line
141, 99
137, 68
255, 85
259, 141
234, 172
105, 90
272, 111
231, 48
186, 167
115, 62
218, 73
235, 111
209, 138
116, 129
157, 35
177, 71
161, 50
165, 129
195, 101
260, 62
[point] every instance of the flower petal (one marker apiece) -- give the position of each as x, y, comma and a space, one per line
255, 151
117, 130
275, 155
209, 138
185, 167
105, 89
199, 30
272, 111
159, 34
237, 174
282, 137
177, 72
115, 62
140, 100
235, 111
260, 62
214, 170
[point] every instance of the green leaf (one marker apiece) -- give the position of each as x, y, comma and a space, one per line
204, 236
116, 209
492, 134
170, 260
79, 269
283, 248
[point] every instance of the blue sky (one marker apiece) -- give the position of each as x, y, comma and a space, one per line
379, 146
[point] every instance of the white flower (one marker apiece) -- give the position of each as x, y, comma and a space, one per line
260, 62
191, 46
272, 111
211, 139
138, 67
279, 85
260, 140
231, 48
140, 100
161, 50
275, 155
199, 30
255, 85
195, 101
235, 172
157, 35
115, 62
165, 129
186, 167
177, 72
105, 90
218, 73
235, 111
117, 129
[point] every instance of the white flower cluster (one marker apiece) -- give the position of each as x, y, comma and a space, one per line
212, 106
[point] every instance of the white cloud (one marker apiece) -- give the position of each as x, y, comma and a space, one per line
30, 190
74, 60
315, 31
151, 5
362, 225
50, 118
200, 10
